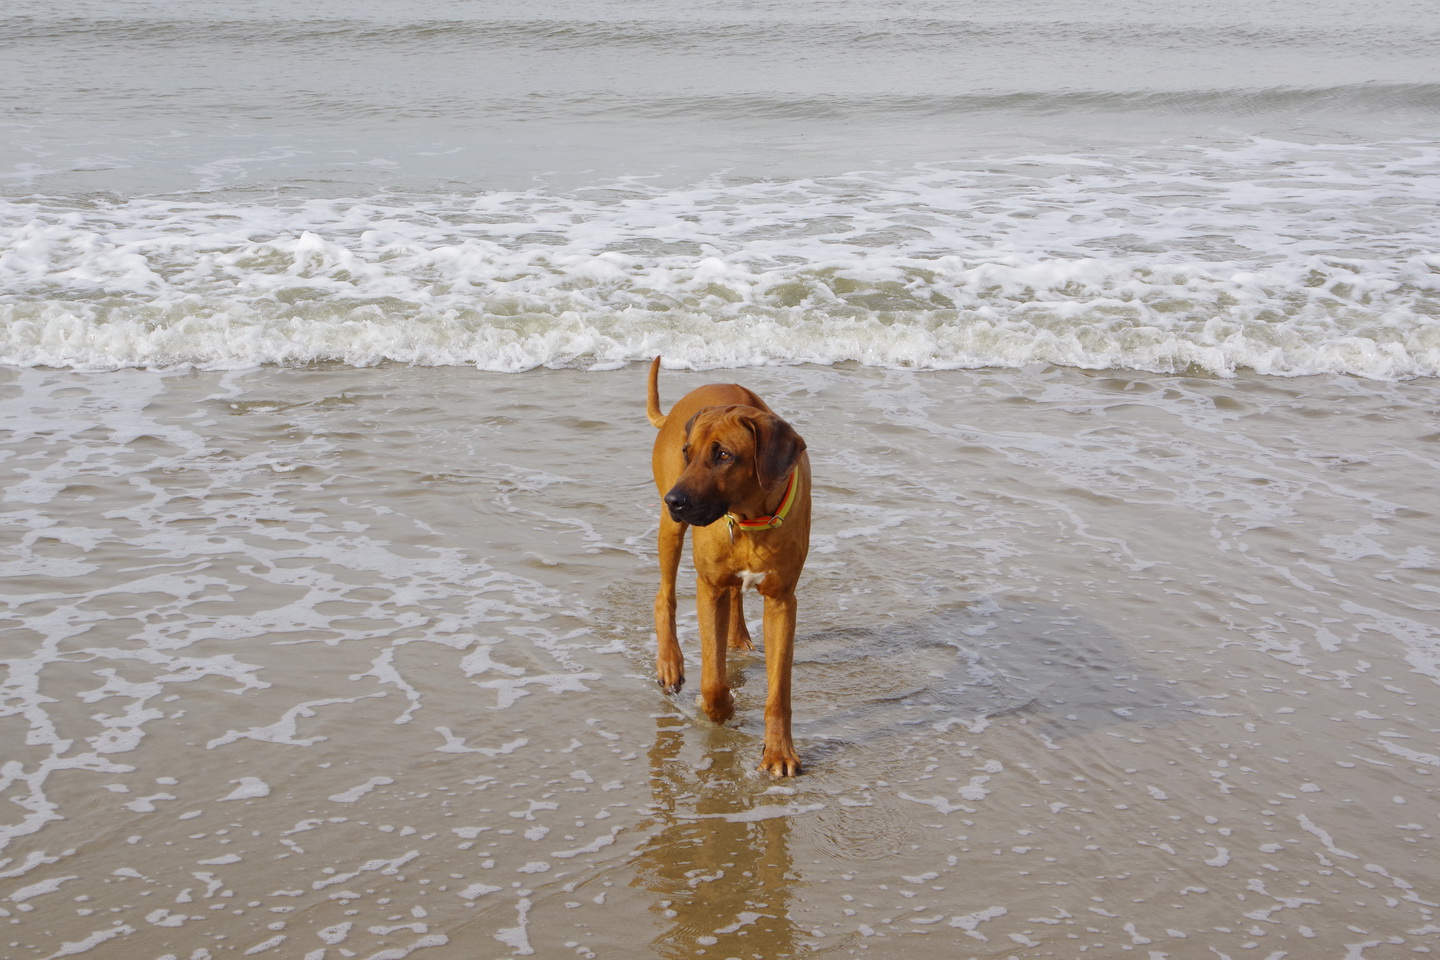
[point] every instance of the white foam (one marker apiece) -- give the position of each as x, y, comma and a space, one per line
1279, 258
1420, 640
30, 891
517, 938
596, 845
248, 788
477, 890
939, 803
380, 866
971, 922
72, 947
759, 812
356, 792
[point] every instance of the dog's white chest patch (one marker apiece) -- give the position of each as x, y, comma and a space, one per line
749, 579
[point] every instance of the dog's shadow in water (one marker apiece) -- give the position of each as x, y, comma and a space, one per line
963, 665
968, 665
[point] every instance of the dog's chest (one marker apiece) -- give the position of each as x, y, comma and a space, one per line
753, 561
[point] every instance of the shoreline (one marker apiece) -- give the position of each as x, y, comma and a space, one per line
372, 647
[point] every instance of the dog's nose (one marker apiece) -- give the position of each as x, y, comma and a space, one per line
677, 500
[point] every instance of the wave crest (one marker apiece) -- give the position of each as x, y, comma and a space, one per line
1274, 258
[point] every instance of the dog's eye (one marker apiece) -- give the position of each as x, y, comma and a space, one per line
685, 452
723, 456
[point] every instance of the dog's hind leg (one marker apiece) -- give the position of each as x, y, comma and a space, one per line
739, 634
713, 607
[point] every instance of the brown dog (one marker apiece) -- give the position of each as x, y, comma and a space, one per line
728, 466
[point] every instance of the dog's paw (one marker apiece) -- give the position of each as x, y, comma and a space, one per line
741, 644
670, 674
780, 762
718, 707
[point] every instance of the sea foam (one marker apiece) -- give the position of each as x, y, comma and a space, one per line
1276, 258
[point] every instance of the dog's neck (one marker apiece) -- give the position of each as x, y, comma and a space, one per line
760, 524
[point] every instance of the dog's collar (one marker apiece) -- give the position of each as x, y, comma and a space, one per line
765, 523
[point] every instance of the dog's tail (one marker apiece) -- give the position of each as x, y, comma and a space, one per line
652, 401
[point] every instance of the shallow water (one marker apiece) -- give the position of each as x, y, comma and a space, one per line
327, 662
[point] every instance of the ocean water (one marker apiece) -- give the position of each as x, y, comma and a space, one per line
921, 185
328, 532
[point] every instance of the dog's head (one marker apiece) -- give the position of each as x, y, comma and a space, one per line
732, 454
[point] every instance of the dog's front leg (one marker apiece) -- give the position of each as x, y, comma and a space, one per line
713, 607
669, 662
779, 758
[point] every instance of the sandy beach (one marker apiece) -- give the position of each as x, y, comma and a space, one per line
334, 662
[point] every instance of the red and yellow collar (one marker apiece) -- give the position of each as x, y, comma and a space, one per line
766, 523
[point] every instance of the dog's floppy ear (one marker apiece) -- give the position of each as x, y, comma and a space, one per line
777, 447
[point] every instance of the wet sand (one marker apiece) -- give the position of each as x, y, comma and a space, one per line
334, 662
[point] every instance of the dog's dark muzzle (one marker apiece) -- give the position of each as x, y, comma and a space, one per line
697, 513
